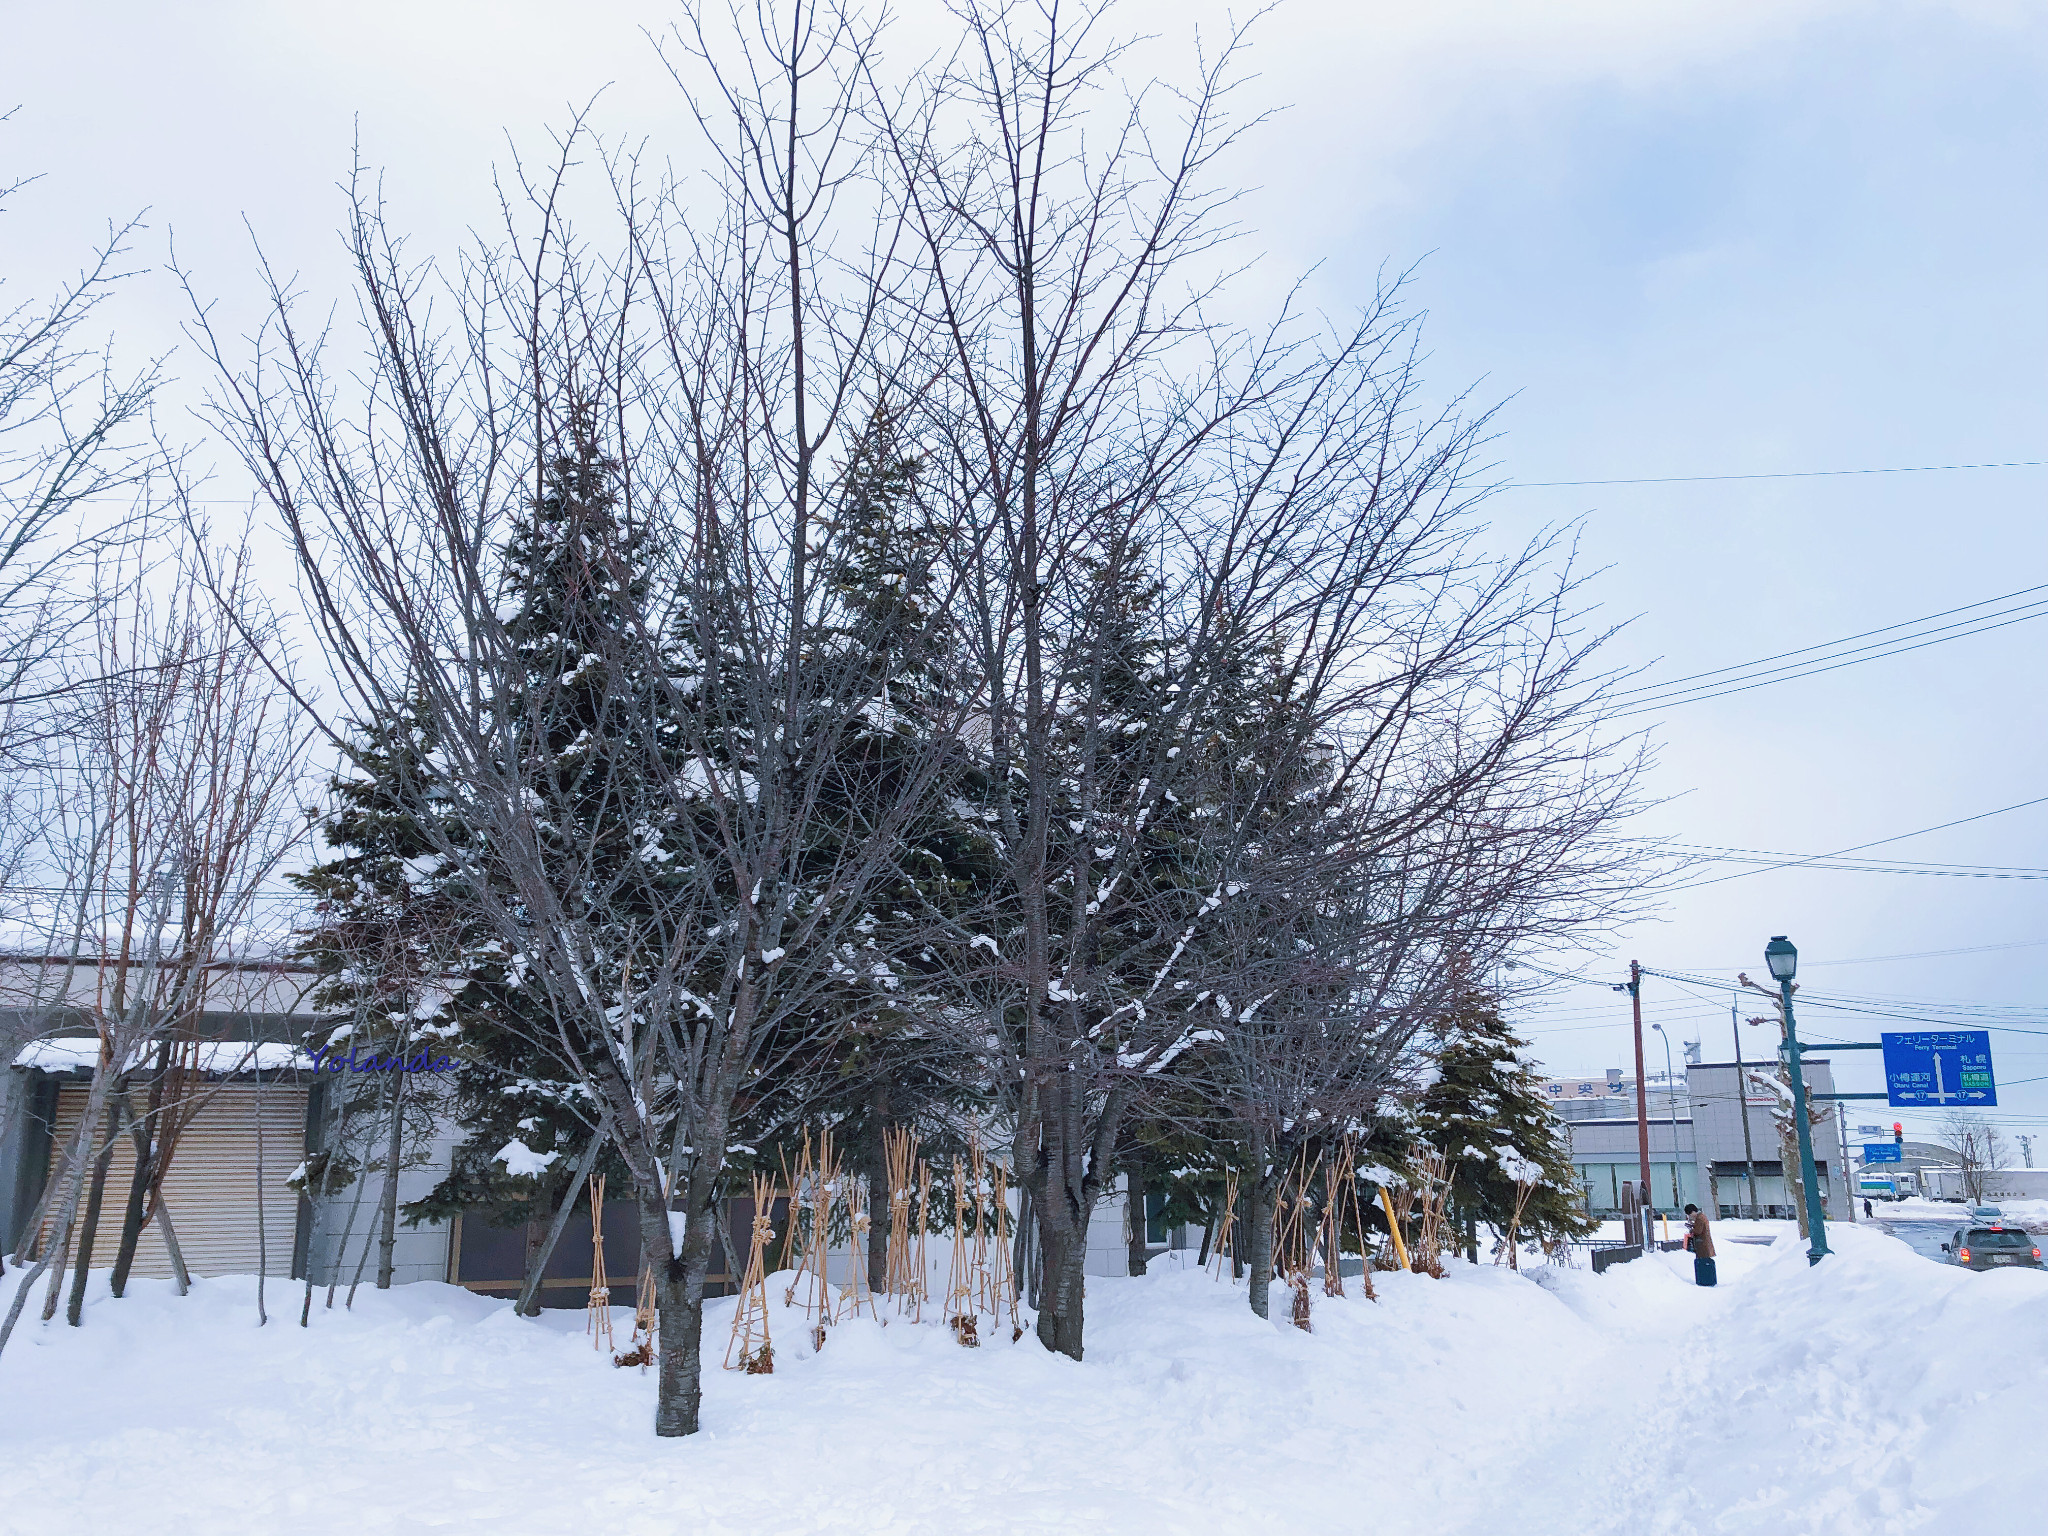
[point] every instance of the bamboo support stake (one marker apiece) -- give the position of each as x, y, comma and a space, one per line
924, 1205
901, 1280
794, 1254
1226, 1228
750, 1317
824, 1179
856, 1294
1003, 1273
1394, 1227
959, 1314
598, 1321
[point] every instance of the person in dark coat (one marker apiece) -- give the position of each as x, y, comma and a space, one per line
1701, 1241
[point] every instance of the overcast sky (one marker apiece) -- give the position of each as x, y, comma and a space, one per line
1672, 238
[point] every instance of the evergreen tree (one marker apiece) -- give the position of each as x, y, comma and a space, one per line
385, 941
1486, 1114
887, 644
574, 573
401, 941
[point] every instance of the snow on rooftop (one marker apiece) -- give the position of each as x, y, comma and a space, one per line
225, 1057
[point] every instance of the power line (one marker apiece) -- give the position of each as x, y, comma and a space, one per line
1722, 853
1783, 474
1533, 485
1795, 862
1935, 954
1831, 644
1751, 679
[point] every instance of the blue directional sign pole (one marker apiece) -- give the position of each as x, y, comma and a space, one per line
1783, 959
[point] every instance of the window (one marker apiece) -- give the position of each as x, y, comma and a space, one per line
1156, 1234
1997, 1238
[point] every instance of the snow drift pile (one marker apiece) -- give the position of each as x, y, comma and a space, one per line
1875, 1393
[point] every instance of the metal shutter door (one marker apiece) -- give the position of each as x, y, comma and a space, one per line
211, 1190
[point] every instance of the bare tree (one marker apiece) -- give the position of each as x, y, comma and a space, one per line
627, 795
184, 773
77, 464
664, 777
1980, 1150
1777, 1080
1289, 493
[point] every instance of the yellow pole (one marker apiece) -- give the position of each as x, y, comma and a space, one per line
1393, 1226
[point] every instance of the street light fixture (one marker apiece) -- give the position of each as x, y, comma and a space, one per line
1782, 956
1783, 959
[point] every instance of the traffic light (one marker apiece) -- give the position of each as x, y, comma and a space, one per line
1898, 1134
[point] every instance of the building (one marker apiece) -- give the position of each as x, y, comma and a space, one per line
255, 1111
1697, 1152
259, 1111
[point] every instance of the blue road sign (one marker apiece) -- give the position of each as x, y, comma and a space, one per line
1884, 1152
1945, 1068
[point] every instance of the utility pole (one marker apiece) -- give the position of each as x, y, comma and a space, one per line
1635, 997
1848, 1189
1742, 1107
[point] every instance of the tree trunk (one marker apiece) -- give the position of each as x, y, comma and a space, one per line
541, 1242
82, 1272
1795, 1186
1260, 1240
56, 1251
1064, 1253
169, 1234
679, 1295
143, 1133
138, 1195
1025, 1260
387, 1234
1135, 1191
878, 1189
1208, 1237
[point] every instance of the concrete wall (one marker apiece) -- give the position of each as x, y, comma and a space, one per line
419, 1253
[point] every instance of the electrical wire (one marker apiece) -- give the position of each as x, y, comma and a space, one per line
1748, 676
1782, 474
1934, 954
1795, 862
1671, 683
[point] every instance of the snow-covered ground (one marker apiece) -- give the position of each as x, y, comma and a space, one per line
1877, 1393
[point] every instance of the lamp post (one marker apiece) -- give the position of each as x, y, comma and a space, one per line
1671, 1105
1783, 959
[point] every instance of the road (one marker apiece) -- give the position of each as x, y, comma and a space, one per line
1924, 1237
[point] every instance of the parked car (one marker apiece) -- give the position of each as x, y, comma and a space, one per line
1993, 1246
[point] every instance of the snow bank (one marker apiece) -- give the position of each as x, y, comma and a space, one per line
1877, 1393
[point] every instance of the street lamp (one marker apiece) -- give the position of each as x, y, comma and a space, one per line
1671, 1104
1783, 959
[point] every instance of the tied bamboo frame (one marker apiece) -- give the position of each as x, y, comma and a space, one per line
750, 1318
